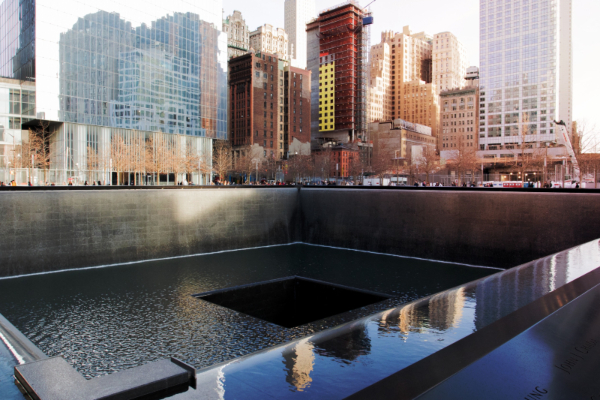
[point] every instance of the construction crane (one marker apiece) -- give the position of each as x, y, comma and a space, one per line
563, 138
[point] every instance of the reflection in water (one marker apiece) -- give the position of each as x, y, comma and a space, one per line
299, 362
499, 295
108, 319
348, 346
382, 344
445, 310
440, 312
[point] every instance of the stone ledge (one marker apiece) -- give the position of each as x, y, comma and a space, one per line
54, 378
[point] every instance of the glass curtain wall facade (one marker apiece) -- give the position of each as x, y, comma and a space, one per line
90, 153
17, 42
147, 65
17, 106
523, 64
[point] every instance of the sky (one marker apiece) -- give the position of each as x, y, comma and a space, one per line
461, 17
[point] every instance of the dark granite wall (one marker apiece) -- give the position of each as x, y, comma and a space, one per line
53, 230
491, 228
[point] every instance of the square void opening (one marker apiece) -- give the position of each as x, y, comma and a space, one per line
292, 301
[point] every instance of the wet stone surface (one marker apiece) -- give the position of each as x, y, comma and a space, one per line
109, 319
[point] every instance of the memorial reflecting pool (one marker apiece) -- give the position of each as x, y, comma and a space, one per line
103, 320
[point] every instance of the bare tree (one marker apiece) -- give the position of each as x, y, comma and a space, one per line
178, 158
382, 162
137, 154
192, 160
428, 161
586, 139
463, 159
204, 166
323, 162
39, 147
119, 156
222, 158
355, 166
243, 162
151, 157
93, 160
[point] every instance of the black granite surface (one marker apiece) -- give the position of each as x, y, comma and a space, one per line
494, 228
55, 379
63, 229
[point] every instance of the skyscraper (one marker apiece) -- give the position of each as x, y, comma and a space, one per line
338, 59
297, 14
136, 66
402, 69
129, 70
238, 39
449, 61
270, 106
269, 39
526, 72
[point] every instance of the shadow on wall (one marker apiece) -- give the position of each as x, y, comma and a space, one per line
74, 229
53, 230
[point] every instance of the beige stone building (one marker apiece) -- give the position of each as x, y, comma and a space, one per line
419, 103
459, 116
449, 62
458, 119
400, 140
238, 35
407, 72
270, 40
380, 105
400, 79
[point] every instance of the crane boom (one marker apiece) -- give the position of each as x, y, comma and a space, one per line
563, 138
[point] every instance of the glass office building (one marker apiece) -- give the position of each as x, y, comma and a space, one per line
138, 68
525, 71
149, 65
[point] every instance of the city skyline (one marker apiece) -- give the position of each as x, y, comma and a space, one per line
465, 25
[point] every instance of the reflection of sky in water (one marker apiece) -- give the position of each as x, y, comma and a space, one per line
8, 390
351, 357
107, 319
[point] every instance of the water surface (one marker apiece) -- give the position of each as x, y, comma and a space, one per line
107, 319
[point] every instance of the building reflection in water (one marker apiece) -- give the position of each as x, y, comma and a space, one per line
346, 347
500, 294
440, 312
299, 362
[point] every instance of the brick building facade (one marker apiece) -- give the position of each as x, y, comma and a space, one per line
269, 104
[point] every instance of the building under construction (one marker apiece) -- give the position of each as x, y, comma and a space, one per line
338, 44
